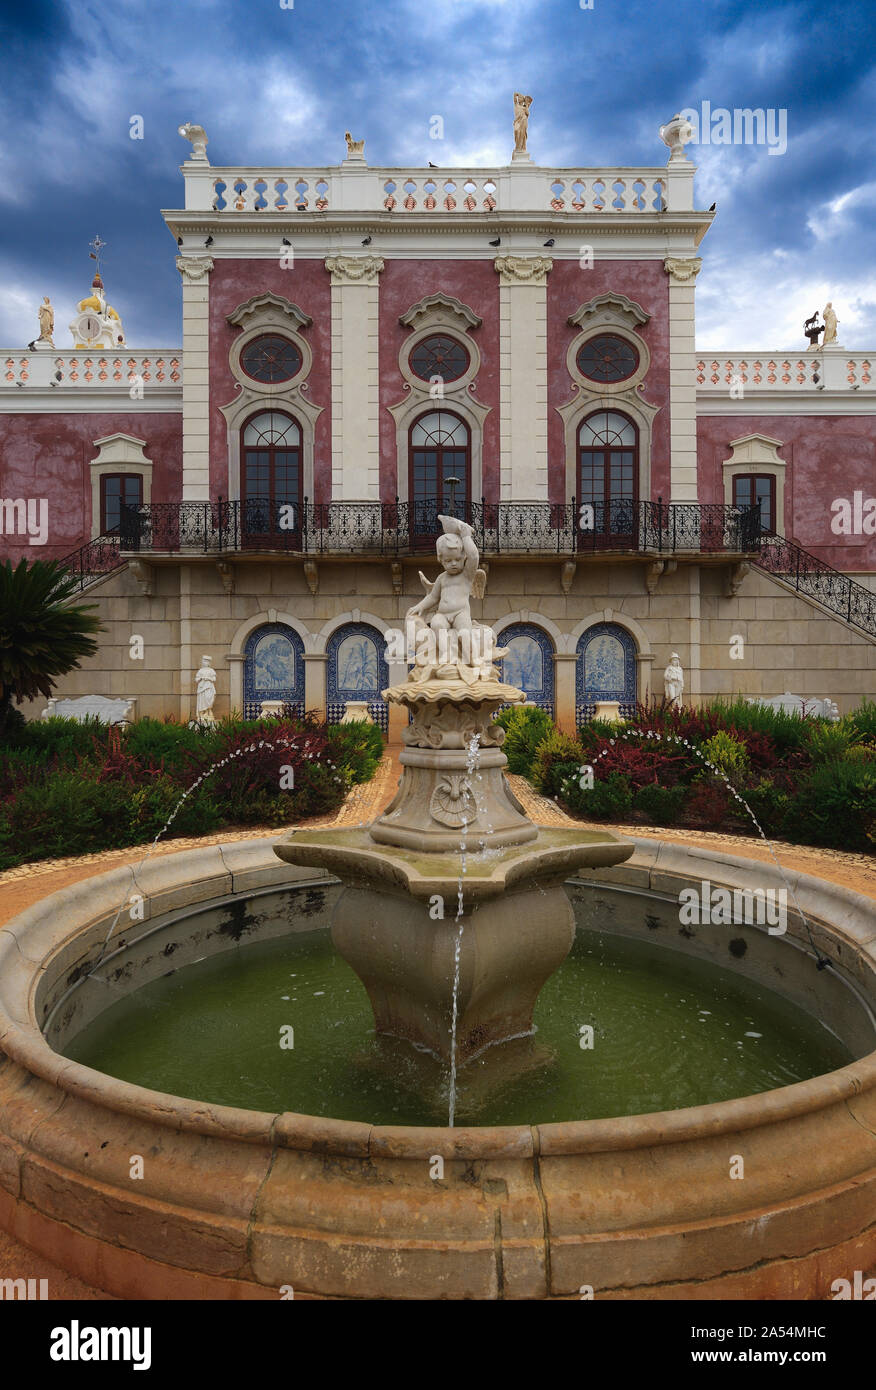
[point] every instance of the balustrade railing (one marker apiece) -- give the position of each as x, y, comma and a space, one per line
409, 528
95, 560
739, 374
92, 370
356, 187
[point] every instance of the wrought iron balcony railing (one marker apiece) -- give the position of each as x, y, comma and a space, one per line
393, 529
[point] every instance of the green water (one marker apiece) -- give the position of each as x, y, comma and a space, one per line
668, 1032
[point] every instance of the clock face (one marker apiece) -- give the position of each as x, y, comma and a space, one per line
89, 327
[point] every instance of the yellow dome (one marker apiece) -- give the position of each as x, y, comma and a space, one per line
92, 302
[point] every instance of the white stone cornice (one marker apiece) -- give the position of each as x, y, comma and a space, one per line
522, 270
682, 268
441, 308
194, 268
346, 270
269, 309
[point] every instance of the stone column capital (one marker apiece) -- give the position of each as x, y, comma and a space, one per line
194, 268
354, 270
522, 270
682, 268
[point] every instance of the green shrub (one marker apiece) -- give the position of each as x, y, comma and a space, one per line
835, 805
728, 755
555, 752
863, 720
357, 748
525, 726
787, 731
828, 742
662, 805
768, 804
608, 800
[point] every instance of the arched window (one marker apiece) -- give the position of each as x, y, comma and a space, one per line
271, 476
606, 670
608, 471
440, 451
273, 669
357, 670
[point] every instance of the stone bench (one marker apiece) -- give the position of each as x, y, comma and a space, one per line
84, 707
803, 706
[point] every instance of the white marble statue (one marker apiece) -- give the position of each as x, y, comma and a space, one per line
355, 148
197, 137
521, 121
456, 646
205, 685
830, 323
673, 681
47, 321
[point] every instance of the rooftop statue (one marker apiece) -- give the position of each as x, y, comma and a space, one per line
521, 121
830, 323
355, 148
197, 135
47, 321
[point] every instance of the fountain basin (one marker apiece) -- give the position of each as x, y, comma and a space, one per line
236, 1203
430, 937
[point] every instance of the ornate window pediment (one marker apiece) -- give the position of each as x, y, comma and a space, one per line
609, 309
440, 310
269, 311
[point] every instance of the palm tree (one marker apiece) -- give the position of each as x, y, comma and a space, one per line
42, 636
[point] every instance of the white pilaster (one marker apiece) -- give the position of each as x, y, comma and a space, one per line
682, 272
195, 272
355, 377
523, 377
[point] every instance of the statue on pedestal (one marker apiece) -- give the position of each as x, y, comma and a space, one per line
521, 121
830, 323
355, 148
205, 686
673, 681
47, 322
457, 646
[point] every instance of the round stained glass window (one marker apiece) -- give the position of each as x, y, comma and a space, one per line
271, 359
439, 356
607, 358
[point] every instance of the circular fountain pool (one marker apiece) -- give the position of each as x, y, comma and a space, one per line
163, 1193
660, 1032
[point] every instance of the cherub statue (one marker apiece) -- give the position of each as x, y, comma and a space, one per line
462, 648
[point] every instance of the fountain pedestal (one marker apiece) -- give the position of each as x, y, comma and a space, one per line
453, 865
454, 914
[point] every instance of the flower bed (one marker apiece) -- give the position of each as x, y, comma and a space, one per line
73, 788
733, 767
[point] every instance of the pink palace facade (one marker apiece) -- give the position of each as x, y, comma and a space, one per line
364, 348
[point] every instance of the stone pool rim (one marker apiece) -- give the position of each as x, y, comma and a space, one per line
29, 943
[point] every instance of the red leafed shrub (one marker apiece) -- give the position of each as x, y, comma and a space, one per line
708, 804
643, 763
266, 775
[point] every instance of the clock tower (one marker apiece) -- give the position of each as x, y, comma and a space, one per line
96, 323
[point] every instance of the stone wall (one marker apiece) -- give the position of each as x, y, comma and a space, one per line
788, 643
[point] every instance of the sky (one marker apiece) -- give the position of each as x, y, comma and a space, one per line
277, 82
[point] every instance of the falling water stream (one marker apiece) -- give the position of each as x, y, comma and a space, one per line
471, 766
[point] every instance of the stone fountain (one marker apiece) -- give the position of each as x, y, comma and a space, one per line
453, 913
